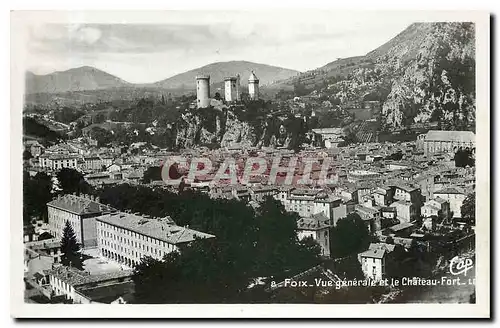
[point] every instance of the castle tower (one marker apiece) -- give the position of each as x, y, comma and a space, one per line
238, 88
230, 88
253, 86
202, 91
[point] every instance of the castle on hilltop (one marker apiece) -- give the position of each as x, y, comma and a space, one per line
232, 89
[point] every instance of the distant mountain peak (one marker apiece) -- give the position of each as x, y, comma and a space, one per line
220, 70
74, 79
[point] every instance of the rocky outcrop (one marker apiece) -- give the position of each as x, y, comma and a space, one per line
425, 74
438, 83
221, 127
214, 127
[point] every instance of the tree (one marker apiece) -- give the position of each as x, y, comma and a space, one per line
349, 236
70, 248
464, 158
248, 244
152, 275
45, 235
152, 173
102, 136
308, 253
37, 192
27, 155
72, 181
468, 209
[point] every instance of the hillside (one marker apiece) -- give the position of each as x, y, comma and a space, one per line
75, 79
218, 71
425, 74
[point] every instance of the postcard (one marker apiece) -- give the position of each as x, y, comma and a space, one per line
250, 164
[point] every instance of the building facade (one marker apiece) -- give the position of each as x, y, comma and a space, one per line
80, 212
126, 238
373, 260
455, 197
58, 161
318, 228
69, 282
446, 141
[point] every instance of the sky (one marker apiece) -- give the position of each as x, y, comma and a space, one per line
142, 51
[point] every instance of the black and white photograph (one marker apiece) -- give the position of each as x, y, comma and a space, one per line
253, 159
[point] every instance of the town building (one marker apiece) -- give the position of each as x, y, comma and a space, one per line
361, 175
436, 207
41, 255
93, 163
307, 202
126, 238
80, 286
58, 161
34, 147
317, 226
371, 216
81, 212
455, 197
446, 141
203, 91
405, 211
328, 137
383, 196
407, 193
373, 261
259, 193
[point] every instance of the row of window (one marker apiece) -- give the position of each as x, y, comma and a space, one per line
119, 234
146, 249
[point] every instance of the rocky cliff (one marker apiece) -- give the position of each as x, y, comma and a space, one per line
223, 126
433, 77
424, 74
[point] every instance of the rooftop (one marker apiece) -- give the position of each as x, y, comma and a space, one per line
450, 190
401, 226
76, 277
80, 205
108, 293
457, 136
160, 229
377, 250
317, 221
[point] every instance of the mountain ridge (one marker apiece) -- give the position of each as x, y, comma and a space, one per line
424, 74
220, 70
74, 79
91, 78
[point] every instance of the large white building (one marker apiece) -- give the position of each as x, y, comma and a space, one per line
81, 212
58, 161
446, 141
126, 238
